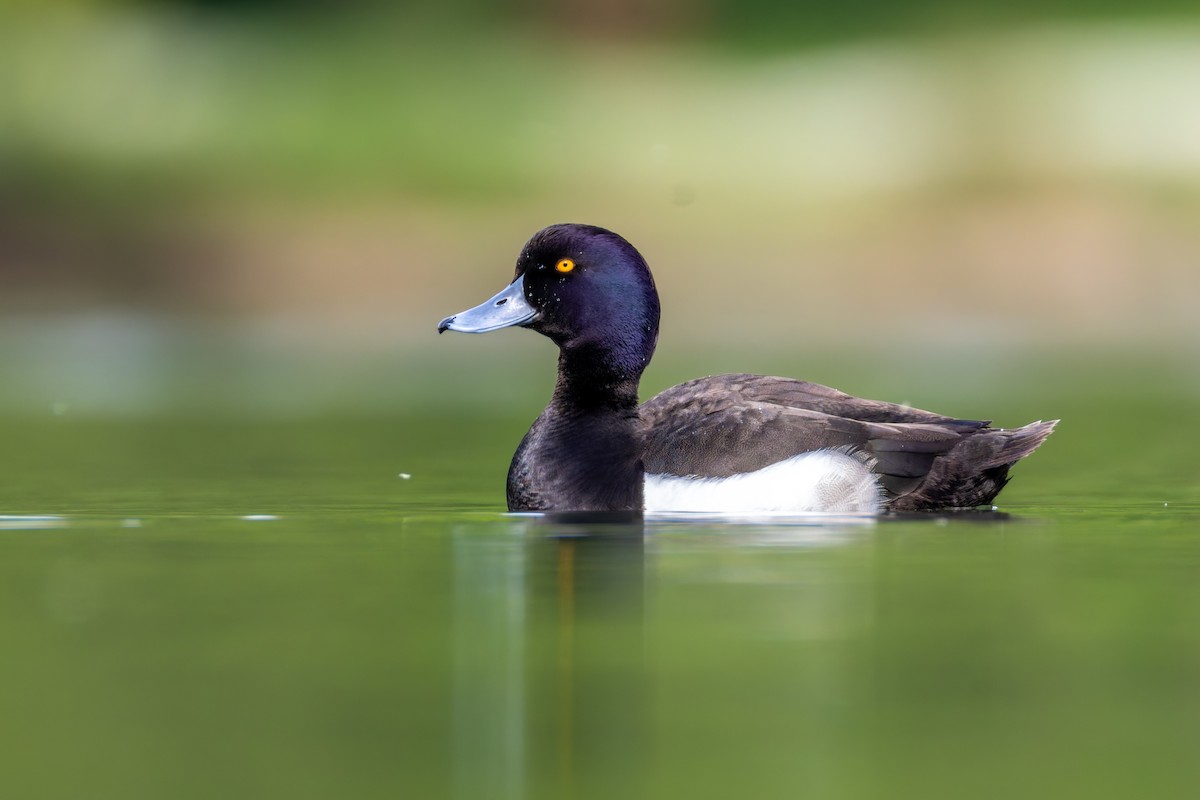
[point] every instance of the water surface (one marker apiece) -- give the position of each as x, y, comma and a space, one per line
268, 609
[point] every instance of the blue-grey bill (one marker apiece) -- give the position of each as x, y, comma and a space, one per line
506, 309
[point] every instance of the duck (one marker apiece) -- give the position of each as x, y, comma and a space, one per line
732, 443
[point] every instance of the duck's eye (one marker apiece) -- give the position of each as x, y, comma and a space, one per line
565, 265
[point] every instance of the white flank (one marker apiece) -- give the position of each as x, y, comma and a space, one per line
823, 481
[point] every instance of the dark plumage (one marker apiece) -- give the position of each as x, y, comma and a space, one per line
592, 293
730, 424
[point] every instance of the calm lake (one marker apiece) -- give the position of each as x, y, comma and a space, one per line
199, 607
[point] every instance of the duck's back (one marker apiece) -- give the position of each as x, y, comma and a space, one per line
729, 425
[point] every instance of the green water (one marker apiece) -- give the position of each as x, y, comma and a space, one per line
391, 637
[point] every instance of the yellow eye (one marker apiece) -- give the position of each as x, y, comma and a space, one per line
565, 265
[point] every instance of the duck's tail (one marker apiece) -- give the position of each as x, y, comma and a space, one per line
976, 469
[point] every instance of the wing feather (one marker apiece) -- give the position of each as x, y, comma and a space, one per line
729, 424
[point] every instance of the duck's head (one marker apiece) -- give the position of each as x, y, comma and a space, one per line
586, 288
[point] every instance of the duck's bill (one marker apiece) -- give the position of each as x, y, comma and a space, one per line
506, 309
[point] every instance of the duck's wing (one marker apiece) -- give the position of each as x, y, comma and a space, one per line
722, 391
730, 424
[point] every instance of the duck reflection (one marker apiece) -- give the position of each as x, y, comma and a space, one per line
549, 691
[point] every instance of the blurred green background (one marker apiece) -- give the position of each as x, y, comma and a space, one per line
264, 207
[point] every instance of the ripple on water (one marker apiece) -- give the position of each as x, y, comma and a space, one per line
30, 522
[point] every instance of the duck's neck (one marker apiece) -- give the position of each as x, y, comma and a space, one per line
584, 453
592, 378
